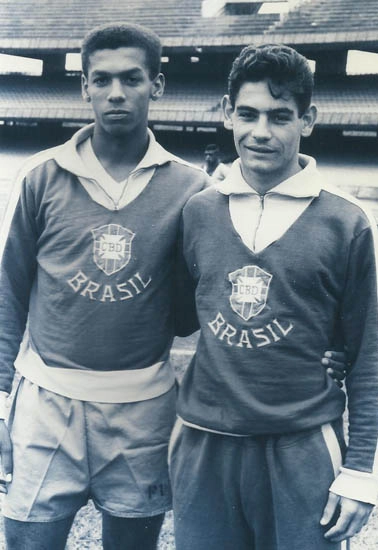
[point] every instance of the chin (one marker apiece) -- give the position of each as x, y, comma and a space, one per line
260, 168
120, 131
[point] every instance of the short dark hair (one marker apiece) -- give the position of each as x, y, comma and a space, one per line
113, 36
212, 148
284, 68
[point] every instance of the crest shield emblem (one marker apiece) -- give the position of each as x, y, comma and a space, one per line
250, 286
112, 247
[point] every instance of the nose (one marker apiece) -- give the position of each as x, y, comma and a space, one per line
261, 128
116, 92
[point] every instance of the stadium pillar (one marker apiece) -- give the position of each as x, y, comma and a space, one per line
53, 64
331, 63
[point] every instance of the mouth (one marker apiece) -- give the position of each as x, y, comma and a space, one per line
117, 114
260, 150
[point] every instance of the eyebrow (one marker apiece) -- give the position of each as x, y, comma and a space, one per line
132, 70
278, 110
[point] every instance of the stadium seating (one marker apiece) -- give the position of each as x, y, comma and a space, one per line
43, 24
27, 21
342, 102
72, 19
319, 16
46, 27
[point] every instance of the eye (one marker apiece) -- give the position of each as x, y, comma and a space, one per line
247, 115
100, 80
131, 80
281, 118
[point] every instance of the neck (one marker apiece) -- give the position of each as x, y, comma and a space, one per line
125, 149
264, 182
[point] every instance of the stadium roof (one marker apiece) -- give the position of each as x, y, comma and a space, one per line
351, 102
53, 25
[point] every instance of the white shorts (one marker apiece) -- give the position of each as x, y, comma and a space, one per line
68, 451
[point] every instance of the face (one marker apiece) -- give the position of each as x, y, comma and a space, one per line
119, 87
211, 157
267, 133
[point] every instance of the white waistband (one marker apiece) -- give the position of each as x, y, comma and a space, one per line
102, 386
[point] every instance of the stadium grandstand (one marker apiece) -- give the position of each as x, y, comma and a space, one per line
200, 38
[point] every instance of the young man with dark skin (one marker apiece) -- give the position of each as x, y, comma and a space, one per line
285, 265
213, 165
89, 252
212, 158
88, 256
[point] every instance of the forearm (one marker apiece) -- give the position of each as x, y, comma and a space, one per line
359, 314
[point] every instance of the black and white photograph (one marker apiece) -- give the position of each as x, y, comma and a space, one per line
188, 274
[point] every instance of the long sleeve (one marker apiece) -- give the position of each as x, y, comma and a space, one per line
358, 476
360, 325
186, 321
17, 271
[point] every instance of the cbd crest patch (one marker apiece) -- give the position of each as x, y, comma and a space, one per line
250, 286
112, 247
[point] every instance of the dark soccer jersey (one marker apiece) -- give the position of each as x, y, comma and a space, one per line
268, 317
96, 284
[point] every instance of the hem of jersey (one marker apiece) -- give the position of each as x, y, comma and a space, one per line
121, 386
117, 514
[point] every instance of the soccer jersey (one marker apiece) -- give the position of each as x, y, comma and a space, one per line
267, 316
93, 277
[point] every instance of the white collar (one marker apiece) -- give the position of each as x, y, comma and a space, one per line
68, 157
305, 183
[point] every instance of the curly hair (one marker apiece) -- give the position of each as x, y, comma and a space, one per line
113, 36
282, 67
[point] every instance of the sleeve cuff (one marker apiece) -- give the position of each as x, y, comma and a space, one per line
361, 486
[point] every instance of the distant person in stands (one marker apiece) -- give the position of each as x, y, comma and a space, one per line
285, 265
213, 165
89, 249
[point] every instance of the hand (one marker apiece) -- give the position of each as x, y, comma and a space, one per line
336, 363
6, 456
353, 516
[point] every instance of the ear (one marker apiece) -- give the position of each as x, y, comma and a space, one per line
308, 121
227, 112
84, 88
158, 85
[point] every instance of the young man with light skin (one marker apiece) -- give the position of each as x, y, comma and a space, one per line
89, 251
285, 266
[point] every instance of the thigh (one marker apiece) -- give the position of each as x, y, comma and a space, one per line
50, 472
21, 535
302, 467
128, 456
205, 480
130, 533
